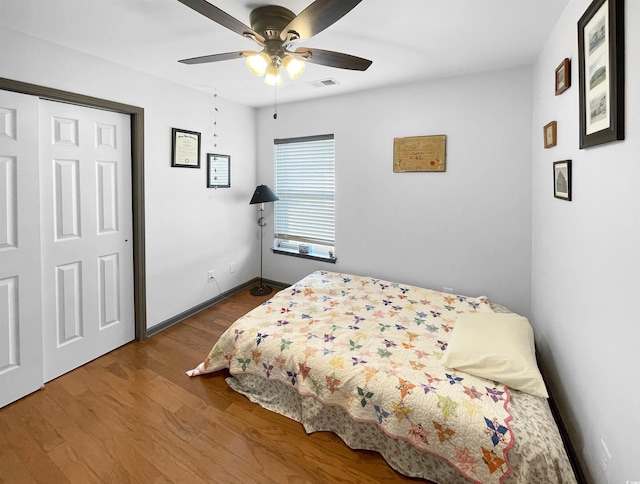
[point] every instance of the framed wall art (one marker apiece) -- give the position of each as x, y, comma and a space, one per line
550, 134
185, 148
562, 179
563, 76
218, 171
601, 72
419, 153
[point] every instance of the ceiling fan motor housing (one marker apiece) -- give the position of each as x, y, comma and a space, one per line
270, 20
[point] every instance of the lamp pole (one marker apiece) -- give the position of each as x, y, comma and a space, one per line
262, 194
261, 290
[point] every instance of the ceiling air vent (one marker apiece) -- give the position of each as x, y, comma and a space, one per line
324, 82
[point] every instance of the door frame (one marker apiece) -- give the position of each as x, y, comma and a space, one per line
137, 179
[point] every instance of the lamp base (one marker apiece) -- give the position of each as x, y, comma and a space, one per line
261, 290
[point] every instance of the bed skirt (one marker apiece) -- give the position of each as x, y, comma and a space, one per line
529, 463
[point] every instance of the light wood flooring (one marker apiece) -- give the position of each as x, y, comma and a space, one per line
134, 416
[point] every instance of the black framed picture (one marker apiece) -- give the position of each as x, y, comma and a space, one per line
562, 179
601, 72
185, 148
218, 171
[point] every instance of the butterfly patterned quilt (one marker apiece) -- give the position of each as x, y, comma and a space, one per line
372, 348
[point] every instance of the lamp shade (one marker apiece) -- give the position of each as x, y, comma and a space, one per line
272, 76
294, 67
263, 194
258, 63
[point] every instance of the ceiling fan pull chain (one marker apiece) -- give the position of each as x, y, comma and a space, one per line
275, 102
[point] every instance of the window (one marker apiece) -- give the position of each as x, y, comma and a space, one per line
305, 183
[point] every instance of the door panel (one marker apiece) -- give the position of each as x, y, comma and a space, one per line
87, 234
20, 292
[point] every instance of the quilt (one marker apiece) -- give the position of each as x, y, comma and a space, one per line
372, 348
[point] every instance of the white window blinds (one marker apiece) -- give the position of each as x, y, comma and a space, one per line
305, 183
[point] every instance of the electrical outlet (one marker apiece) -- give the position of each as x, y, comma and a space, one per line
211, 275
606, 463
232, 268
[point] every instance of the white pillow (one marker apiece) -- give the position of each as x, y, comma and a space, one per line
498, 347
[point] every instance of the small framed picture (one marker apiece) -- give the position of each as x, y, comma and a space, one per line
550, 134
563, 76
185, 148
562, 179
218, 171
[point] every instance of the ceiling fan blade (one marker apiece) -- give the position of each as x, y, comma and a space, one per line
223, 18
317, 17
217, 57
335, 59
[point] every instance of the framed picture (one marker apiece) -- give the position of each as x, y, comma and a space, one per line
218, 171
562, 179
601, 72
550, 134
420, 153
563, 76
185, 148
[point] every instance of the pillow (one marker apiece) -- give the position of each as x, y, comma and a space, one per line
498, 347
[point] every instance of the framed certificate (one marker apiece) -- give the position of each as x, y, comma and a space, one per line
419, 153
185, 148
218, 171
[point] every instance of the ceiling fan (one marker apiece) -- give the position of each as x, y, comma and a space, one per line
277, 29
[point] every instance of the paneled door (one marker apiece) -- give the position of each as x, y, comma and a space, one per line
87, 245
20, 307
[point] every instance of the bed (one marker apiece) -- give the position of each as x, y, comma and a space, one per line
374, 361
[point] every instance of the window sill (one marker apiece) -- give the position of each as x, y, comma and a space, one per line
295, 253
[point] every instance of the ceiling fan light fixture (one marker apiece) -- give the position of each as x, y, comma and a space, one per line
272, 77
258, 63
276, 29
293, 66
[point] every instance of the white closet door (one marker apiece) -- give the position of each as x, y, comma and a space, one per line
87, 264
20, 306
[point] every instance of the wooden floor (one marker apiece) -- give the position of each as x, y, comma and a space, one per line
134, 416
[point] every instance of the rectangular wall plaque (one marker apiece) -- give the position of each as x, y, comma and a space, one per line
419, 153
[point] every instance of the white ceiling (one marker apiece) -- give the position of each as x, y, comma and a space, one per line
407, 40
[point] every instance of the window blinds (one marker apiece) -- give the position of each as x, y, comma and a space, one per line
305, 184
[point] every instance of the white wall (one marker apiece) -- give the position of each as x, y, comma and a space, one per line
189, 228
468, 228
586, 268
